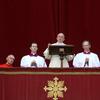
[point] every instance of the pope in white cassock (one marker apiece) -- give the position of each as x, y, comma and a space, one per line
86, 59
55, 61
33, 60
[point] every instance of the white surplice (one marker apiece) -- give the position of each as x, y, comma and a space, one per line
79, 60
27, 60
55, 61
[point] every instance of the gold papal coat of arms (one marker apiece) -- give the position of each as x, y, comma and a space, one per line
55, 89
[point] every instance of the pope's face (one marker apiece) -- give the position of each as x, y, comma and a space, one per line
86, 45
60, 38
34, 47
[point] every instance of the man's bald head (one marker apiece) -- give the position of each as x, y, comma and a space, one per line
86, 45
10, 59
60, 38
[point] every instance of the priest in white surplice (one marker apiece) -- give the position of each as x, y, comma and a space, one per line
86, 59
55, 61
33, 60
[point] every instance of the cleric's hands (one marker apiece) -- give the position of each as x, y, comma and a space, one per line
33, 63
49, 44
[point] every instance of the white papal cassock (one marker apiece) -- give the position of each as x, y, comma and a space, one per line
80, 60
55, 61
27, 61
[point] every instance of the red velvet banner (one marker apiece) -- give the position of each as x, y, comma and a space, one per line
28, 84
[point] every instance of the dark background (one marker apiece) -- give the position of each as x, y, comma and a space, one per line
25, 21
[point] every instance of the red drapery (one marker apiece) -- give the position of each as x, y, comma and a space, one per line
28, 84
23, 22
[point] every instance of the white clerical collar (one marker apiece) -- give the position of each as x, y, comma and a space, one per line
33, 54
59, 43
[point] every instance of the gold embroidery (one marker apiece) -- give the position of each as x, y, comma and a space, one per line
55, 89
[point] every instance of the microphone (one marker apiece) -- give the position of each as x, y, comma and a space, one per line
86, 62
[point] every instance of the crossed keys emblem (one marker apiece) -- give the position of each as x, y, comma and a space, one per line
55, 89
